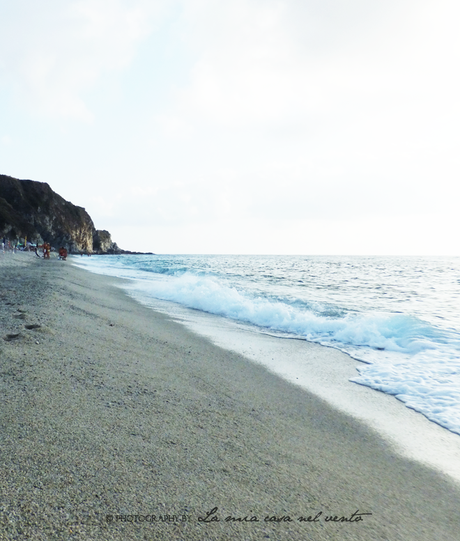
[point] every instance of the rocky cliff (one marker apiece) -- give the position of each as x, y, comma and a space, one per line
103, 244
31, 209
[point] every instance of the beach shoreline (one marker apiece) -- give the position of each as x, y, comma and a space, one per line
328, 373
114, 410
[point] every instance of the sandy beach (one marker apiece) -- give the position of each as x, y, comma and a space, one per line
118, 423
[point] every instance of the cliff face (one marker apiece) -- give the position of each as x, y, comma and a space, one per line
102, 243
32, 209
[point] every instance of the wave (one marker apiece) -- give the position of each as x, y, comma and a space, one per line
390, 332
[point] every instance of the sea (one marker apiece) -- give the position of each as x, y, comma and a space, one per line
398, 316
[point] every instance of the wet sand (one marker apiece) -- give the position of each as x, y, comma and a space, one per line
119, 423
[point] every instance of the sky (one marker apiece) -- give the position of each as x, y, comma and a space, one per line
242, 127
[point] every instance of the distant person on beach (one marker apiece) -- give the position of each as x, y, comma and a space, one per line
62, 253
3, 244
46, 250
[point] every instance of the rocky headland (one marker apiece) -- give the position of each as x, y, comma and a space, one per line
32, 211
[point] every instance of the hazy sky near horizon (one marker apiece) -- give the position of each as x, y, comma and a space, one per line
251, 126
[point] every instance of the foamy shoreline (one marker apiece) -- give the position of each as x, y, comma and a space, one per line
111, 409
328, 373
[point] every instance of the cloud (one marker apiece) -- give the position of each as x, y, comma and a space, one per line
55, 51
329, 69
341, 105
271, 62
